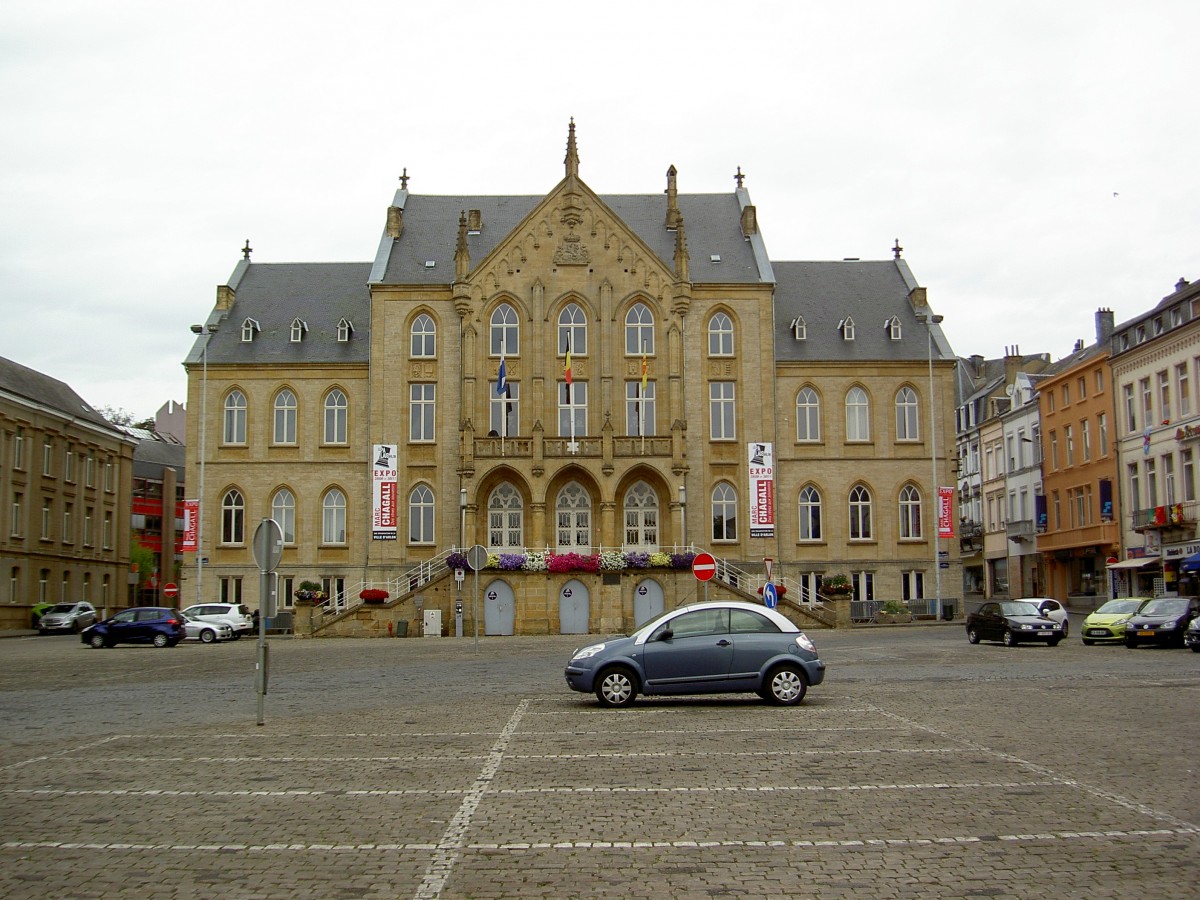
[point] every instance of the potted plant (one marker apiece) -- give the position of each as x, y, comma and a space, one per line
893, 611
309, 591
372, 595
836, 586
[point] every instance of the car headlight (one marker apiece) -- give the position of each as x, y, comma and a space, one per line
587, 652
804, 642
1165, 626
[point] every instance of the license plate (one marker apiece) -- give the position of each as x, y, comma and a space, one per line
1097, 632
1145, 634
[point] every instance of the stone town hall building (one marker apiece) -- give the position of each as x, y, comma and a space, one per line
571, 373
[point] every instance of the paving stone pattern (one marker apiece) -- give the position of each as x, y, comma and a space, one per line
924, 767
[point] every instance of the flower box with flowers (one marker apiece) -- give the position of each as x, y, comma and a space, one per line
372, 595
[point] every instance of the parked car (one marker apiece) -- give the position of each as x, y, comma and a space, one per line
1053, 610
206, 632
157, 625
1162, 621
1108, 622
704, 648
67, 617
1012, 622
1191, 637
235, 615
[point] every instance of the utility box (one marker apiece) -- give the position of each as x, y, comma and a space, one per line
433, 623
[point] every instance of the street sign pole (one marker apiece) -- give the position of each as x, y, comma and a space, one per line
477, 559
268, 548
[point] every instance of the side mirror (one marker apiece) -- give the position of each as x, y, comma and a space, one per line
666, 635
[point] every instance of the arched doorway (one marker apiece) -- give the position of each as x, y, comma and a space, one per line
647, 601
574, 610
499, 607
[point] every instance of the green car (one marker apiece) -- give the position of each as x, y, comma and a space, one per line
1108, 622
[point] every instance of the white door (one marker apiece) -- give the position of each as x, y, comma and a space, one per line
499, 608
573, 608
647, 601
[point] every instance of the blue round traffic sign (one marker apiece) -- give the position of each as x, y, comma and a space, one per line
770, 595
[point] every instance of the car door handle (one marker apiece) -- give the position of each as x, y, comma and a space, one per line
724, 642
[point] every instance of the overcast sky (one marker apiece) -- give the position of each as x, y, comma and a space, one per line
1037, 160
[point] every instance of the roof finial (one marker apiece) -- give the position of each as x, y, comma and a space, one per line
896, 248
247, 250
404, 180
738, 177
462, 254
572, 159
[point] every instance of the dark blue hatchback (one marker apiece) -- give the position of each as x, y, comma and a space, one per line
705, 648
157, 625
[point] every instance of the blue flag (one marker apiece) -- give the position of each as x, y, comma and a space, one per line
501, 379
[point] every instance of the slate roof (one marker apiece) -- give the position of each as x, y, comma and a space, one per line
151, 456
712, 225
36, 387
825, 294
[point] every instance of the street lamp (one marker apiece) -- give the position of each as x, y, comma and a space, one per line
683, 514
930, 320
462, 518
208, 332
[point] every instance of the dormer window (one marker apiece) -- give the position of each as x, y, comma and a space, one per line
345, 329
1141, 333
799, 329
249, 327
1176, 317
1158, 326
299, 326
846, 327
893, 328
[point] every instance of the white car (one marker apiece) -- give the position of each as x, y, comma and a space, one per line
206, 632
1051, 609
235, 615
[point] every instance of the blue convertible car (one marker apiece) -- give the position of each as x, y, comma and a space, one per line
705, 648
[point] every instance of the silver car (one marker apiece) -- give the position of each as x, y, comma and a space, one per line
206, 632
67, 617
704, 648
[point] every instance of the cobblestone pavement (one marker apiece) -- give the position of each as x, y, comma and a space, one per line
923, 767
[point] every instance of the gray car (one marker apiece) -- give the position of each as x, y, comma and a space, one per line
67, 617
704, 648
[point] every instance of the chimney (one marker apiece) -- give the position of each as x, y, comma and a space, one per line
1078, 345
395, 222
1012, 363
749, 221
474, 221
672, 193
1181, 284
1105, 325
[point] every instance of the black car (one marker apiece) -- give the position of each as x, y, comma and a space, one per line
1162, 621
1191, 637
1012, 622
157, 625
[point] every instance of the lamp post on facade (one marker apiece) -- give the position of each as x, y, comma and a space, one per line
208, 332
930, 320
683, 514
462, 518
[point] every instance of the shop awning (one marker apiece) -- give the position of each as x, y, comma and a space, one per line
1191, 564
1138, 563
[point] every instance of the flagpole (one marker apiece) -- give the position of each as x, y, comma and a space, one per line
642, 401
500, 388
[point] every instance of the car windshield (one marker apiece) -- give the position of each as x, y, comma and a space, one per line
1019, 608
1123, 605
1169, 607
61, 607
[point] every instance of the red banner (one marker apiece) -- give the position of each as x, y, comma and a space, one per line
191, 524
945, 512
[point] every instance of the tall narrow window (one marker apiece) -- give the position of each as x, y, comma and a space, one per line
235, 418
336, 411
420, 413
504, 333
420, 515
721, 411
724, 513
424, 337
720, 335
233, 518
1130, 410
333, 517
299, 327
506, 518
639, 408
858, 415
572, 409
860, 514
572, 331
907, 424
1102, 427
641, 517
504, 414
639, 330
285, 417
808, 415
1183, 390
283, 511
810, 514
573, 518
910, 513
345, 328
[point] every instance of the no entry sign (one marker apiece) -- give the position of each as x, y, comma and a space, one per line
170, 590
704, 567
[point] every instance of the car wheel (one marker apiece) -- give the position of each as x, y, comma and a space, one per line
617, 687
1066, 627
972, 635
97, 642
237, 636
1054, 642
786, 685
1196, 648
75, 627
1010, 639
1130, 644
1087, 643
161, 640
207, 636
